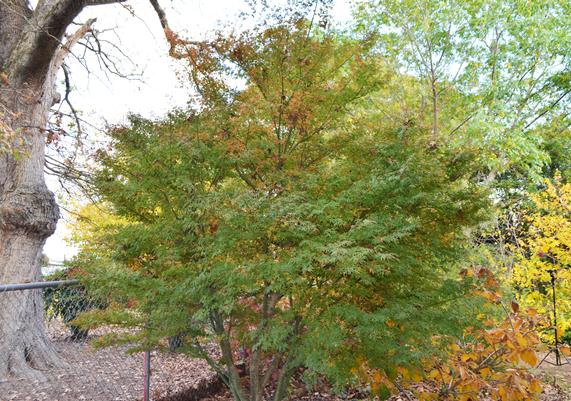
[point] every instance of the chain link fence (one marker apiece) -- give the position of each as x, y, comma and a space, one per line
85, 372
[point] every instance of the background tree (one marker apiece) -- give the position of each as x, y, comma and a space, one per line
546, 247
490, 73
31, 53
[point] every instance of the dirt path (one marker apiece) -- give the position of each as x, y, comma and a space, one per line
556, 378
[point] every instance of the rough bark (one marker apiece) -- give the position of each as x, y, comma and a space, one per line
31, 54
28, 216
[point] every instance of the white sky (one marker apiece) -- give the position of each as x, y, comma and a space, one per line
109, 99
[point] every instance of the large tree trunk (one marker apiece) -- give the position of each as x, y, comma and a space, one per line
30, 57
28, 216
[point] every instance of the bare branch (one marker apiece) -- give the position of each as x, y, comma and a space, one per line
161, 14
88, 3
63, 51
31, 57
67, 101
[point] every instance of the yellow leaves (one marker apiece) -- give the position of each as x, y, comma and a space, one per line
546, 247
529, 357
535, 386
503, 393
415, 375
521, 340
425, 396
375, 378
433, 374
407, 374
4, 78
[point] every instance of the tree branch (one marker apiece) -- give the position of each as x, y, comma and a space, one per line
31, 57
87, 3
161, 14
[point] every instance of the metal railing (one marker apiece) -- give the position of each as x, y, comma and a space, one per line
37, 285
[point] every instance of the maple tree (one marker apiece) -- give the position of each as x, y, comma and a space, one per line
310, 213
277, 223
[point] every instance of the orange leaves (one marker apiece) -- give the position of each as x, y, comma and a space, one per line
377, 379
234, 146
464, 379
298, 112
493, 360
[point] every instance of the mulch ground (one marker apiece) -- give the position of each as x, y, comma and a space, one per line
111, 374
108, 374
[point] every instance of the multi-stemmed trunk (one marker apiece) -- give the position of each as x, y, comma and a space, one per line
259, 371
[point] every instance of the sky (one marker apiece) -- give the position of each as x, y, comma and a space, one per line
105, 99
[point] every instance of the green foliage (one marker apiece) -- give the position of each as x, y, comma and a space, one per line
280, 222
492, 76
490, 73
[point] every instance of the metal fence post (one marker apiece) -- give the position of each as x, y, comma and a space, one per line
147, 389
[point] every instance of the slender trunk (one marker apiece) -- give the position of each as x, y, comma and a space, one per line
233, 375
435, 131
234, 381
256, 388
289, 364
283, 381
257, 380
